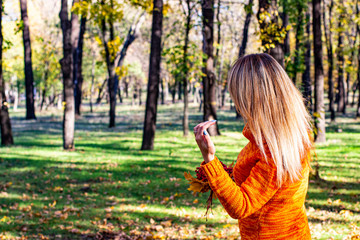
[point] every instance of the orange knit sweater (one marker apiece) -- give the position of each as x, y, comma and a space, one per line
264, 210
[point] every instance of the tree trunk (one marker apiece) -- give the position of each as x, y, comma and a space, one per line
306, 80
46, 73
298, 41
285, 19
330, 53
340, 62
154, 77
209, 79
29, 76
352, 41
78, 81
358, 70
100, 92
5, 124
269, 38
319, 109
248, 9
218, 23
66, 68
186, 70
179, 90
162, 91
92, 81
110, 64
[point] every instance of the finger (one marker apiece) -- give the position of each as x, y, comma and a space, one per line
197, 128
206, 138
206, 125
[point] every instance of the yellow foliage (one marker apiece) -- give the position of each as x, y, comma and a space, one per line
196, 185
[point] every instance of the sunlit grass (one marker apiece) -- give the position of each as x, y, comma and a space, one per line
108, 185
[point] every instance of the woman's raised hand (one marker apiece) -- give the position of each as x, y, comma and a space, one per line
203, 140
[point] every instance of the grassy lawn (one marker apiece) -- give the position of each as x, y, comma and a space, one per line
108, 187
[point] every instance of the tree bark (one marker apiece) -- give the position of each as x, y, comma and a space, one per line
352, 42
358, 71
110, 64
248, 9
285, 19
319, 109
154, 77
92, 81
78, 56
341, 107
186, 70
242, 50
209, 79
299, 36
46, 73
67, 72
29, 76
330, 53
100, 92
5, 123
306, 80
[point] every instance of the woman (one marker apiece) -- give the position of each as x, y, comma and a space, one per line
272, 170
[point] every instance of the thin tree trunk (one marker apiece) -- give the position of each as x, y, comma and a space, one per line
5, 124
140, 93
100, 93
319, 110
66, 68
154, 77
351, 59
248, 9
358, 71
354, 88
110, 63
298, 40
330, 53
162, 91
78, 65
29, 76
340, 62
119, 93
186, 71
218, 23
46, 73
306, 80
285, 19
209, 79
179, 90
92, 81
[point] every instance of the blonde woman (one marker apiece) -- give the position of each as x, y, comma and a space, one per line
272, 170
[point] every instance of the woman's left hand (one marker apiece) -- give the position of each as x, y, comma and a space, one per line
203, 140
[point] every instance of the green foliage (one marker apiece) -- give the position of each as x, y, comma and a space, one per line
178, 66
19, 26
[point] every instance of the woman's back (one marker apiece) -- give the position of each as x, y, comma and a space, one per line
271, 174
264, 210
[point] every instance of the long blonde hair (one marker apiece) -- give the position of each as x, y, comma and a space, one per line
274, 110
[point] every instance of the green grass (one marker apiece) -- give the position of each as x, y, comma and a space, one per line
107, 186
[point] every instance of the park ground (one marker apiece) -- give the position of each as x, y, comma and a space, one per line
107, 188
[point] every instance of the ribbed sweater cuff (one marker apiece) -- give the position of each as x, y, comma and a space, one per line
213, 168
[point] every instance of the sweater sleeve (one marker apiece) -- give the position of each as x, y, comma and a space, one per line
244, 200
